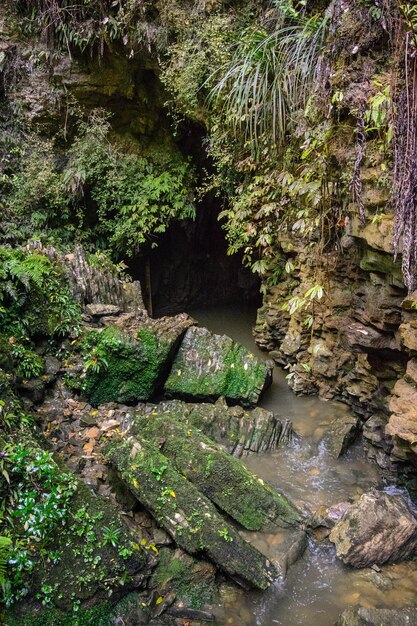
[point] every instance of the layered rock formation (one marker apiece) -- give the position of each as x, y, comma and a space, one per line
363, 335
377, 529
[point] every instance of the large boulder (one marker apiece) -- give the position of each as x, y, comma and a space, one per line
378, 617
130, 359
342, 432
379, 528
208, 366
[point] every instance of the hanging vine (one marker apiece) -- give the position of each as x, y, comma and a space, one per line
401, 22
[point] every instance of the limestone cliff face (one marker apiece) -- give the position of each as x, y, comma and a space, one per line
363, 341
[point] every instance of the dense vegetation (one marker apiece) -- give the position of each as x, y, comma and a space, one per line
286, 138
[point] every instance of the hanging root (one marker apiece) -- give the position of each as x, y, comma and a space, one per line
356, 184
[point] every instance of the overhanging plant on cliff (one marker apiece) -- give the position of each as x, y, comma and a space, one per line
401, 23
270, 75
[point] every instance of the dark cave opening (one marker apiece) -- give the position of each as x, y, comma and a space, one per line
190, 268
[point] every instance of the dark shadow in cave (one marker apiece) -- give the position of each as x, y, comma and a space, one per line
190, 267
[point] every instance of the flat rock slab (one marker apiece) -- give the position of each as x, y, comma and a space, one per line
222, 478
186, 514
379, 528
208, 366
341, 434
283, 548
101, 310
378, 617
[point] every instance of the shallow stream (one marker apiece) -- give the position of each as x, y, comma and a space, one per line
317, 587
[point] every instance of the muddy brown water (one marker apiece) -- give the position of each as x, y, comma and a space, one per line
318, 587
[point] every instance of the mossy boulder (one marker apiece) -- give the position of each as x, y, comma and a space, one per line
185, 513
208, 366
238, 430
222, 478
130, 359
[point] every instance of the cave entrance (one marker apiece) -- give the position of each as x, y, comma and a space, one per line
190, 267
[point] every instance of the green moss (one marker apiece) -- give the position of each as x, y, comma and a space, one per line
185, 512
209, 366
105, 614
179, 575
247, 499
120, 368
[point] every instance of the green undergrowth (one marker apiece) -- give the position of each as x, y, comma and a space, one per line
35, 304
66, 545
99, 192
105, 614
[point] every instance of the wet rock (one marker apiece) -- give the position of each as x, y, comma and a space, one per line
246, 499
188, 516
402, 425
190, 614
100, 310
378, 617
374, 430
341, 434
327, 517
291, 550
208, 366
379, 528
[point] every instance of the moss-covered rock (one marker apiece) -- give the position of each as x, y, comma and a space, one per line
222, 478
130, 609
189, 517
208, 366
192, 581
239, 431
130, 359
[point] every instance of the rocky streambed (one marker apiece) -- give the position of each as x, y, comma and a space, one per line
195, 505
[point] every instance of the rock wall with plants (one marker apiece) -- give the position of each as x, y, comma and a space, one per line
307, 117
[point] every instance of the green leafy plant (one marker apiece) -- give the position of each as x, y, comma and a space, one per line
159, 471
135, 198
224, 534
34, 300
270, 75
111, 535
304, 303
5, 550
